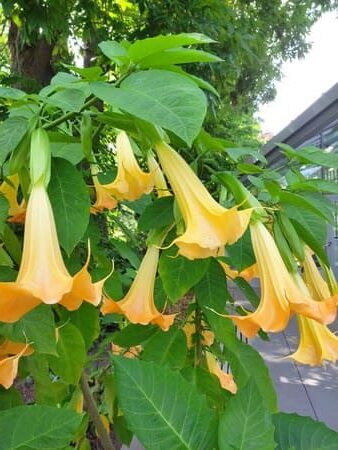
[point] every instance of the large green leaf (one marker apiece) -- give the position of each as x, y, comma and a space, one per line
178, 56
303, 203
180, 274
71, 354
246, 423
37, 428
68, 99
162, 408
303, 433
212, 290
241, 253
158, 214
86, 319
12, 131
134, 334
4, 206
166, 99
11, 93
114, 51
315, 185
167, 348
70, 201
9, 398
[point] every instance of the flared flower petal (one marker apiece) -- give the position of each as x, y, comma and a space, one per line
281, 293
226, 379
43, 277
317, 343
209, 226
159, 180
104, 199
130, 182
10, 353
249, 273
138, 305
9, 188
314, 281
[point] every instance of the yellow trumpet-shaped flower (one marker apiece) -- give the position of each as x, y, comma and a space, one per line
209, 226
226, 379
314, 281
130, 182
10, 353
207, 336
43, 277
9, 188
104, 199
138, 305
317, 343
281, 293
249, 273
159, 180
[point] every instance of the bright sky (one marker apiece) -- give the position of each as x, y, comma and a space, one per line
305, 80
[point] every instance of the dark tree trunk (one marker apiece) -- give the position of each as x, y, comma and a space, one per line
30, 62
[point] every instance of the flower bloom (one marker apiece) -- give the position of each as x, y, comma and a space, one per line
317, 343
10, 353
314, 281
159, 180
207, 336
10, 191
43, 277
130, 182
138, 305
209, 226
132, 352
226, 379
104, 199
249, 273
281, 293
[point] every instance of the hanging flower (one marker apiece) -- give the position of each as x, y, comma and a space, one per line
226, 379
10, 354
130, 182
281, 293
314, 281
317, 343
43, 277
209, 226
159, 180
138, 305
9, 188
104, 199
207, 336
249, 273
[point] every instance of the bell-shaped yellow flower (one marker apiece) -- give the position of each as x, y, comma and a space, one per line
317, 343
10, 353
9, 188
209, 226
104, 199
189, 328
159, 180
281, 293
130, 182
43, 277
138, 305
314, 281
226, 379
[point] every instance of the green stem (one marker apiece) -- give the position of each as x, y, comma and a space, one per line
94, 414
198, 336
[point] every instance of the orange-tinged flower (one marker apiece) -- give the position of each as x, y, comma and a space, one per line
132, 352
159, 180
10, 353
281, 293
43, 277
9, 188
249, 273
317, 343
314, 281
130, 182
190, 329
104, 199
138, 305
226, 379
209, 226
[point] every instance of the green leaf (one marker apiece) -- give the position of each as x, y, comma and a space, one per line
11, 93
12, 131
167, 348
180, 274
114, 51
249, 168
70, 99
162, 408
212, 290
70, 201
177, 56
248, 291
86, 319
134, 334
71, 354
303, 433
317, 185
158, 214
165, 99
303, 203
246, 424
314, 155
72, 151
37, 427
4, 206
241, 253
41, 337
239, 153
9, 398
143, 48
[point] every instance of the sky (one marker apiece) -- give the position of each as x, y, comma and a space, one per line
306, 79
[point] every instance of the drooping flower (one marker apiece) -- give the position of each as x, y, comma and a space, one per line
249, 273
10, 354
159, 180
314, 281
9, 188
189, 328
104, 199
130, 182
317, 343
43, 277
208, 226
281, 292
138, 305
226, 379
